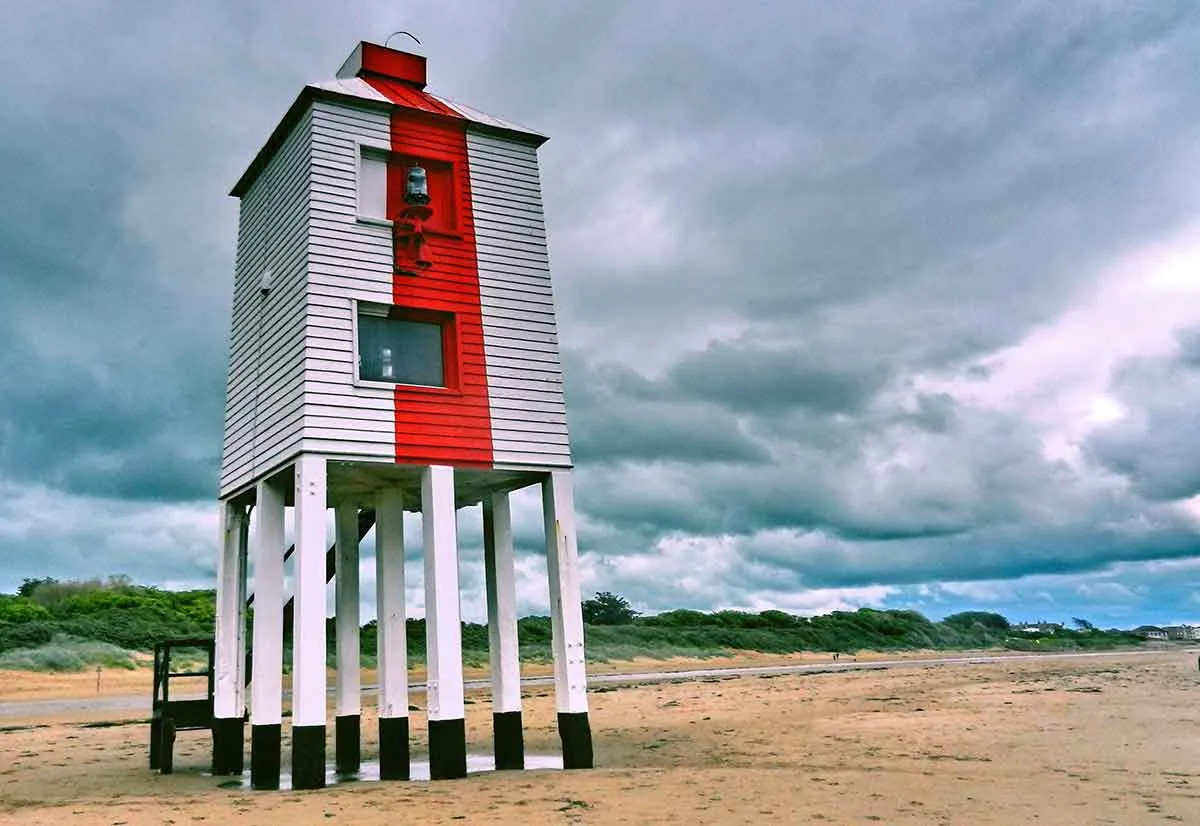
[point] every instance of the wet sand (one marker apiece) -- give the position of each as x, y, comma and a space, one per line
1089, 741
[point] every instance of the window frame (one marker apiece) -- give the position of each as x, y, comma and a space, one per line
363, 150
405, 157
451, 359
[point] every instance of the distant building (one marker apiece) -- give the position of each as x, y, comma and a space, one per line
1151, 632
1183, 632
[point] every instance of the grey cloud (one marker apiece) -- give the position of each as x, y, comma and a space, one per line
994, 554
761, 380
763, 227
1156, 445
927, 190
617, 414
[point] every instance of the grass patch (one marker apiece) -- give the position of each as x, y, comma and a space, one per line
64, 653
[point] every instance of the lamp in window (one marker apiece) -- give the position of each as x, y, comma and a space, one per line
412, 251
416, 189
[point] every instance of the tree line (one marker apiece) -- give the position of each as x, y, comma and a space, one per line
135, 617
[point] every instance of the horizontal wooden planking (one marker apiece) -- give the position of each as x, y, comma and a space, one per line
548, 446
278, 309
363, 401
524, 371
360, 236
507, 324
520, 336
267, 440
533, 359
534, 429
348, 259
530, 416
260, 353
348, 431
361, 410
263, 400
534, 305
348, 449
263, 442
273, 396
264, 407
533, 462
516, 278
550, 395
520, 343
334, 339
255, 353
269, 404
340, 286
356, 396
269, 462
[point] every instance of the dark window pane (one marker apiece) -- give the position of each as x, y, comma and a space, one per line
399, 350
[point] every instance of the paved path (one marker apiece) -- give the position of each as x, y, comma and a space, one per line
139, 702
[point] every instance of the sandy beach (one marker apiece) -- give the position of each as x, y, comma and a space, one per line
1110, 740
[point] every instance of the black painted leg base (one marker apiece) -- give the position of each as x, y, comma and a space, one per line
155, 741
308, 757
447, 749
393, 748
576, 735
347, 748
265, 750
228, 755
508, 740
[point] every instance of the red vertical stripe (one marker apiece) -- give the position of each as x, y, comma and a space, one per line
441, 426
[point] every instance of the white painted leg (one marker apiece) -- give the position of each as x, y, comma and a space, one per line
266, 682
566, 619
349, 681
229, 700
392, 639
500, 576
443, 630
229, 692
308, 650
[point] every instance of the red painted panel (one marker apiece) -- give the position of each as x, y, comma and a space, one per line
393, 64
440, 426
403, 94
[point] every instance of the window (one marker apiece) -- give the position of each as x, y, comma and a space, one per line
372, 184
404, 346
381, 172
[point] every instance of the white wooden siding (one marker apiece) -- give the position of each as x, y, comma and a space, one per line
525, 394
290, 383
347, 259
264, 390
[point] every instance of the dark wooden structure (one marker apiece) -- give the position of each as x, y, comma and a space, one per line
170, 715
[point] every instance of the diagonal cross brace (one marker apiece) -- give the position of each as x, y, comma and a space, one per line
366, 521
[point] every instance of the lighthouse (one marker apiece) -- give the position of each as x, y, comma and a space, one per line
393, 348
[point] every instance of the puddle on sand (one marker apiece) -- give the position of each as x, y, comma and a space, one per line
418, 770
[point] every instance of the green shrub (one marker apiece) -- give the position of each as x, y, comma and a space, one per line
65, 653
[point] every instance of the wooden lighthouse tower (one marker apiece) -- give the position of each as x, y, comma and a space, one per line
393, 348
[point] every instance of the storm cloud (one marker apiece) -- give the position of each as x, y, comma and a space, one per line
860, 303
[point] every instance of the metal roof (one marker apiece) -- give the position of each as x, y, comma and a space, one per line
400, 95
420, 99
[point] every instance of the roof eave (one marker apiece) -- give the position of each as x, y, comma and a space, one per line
312, 93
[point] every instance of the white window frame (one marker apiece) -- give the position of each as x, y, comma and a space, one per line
363, 150
381, 310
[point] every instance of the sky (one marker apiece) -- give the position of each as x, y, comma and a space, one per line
884, 305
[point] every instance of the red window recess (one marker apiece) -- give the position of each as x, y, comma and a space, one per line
443, 189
